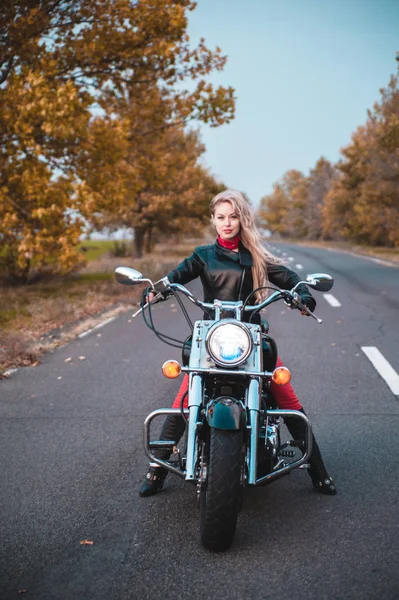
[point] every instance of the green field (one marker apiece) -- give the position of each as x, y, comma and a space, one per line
94, 249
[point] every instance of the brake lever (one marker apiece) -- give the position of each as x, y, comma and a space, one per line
309, 313
296, 303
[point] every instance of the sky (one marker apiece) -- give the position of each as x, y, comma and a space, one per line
305, 72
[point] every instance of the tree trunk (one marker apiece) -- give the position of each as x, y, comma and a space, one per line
148, 241
138, 245
16, 275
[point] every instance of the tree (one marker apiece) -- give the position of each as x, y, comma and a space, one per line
42, 124
151, 177
38, 232
320, 181
60, 60
283, 211
363, 204
104, 46
155, 184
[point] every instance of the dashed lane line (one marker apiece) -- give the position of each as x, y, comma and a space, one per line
299, 267
383, 368
332, 301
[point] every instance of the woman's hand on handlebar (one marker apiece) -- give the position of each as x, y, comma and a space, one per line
309, 302
304, 302
147, 296
150, 297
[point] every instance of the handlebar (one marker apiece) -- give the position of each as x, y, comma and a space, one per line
291, 298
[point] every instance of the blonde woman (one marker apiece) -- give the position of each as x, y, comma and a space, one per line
231, 269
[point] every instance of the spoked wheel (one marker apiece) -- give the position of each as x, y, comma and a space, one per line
220, 497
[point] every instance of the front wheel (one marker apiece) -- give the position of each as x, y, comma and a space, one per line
220, 498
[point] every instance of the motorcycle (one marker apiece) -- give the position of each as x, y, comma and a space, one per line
233, 435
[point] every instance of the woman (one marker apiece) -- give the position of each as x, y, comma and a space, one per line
230, 269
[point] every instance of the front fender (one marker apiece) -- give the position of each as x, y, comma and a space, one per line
226, 413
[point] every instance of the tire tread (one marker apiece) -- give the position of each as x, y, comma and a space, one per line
221, 500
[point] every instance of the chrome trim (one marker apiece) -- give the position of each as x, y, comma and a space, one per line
253, 403
146, 438
219, 305
213, 371
235, 323
195, 401
228, 306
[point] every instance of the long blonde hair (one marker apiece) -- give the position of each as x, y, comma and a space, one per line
250, 237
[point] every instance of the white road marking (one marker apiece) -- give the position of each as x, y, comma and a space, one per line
9, 372
290, 259
299, 267
382, 262
81, 335
383, 367
332, 300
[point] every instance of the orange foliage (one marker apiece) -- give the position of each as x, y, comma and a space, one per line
61, 63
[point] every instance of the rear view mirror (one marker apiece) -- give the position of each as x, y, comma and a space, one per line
128, 276
322, 282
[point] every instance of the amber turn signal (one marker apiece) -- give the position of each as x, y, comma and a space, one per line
171, 369
281, 376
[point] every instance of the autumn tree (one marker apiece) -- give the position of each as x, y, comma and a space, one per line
155, 183
363, 204
294, 209
319, 183
154, 179
35, 224
42, 124
61, 61
273, 211
282, 211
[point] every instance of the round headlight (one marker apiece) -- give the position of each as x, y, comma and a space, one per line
229, 344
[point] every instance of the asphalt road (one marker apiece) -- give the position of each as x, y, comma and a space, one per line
72, 462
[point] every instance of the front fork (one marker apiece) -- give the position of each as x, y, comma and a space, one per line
195, 399
254, 392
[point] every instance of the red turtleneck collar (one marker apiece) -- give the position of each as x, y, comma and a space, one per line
230, 244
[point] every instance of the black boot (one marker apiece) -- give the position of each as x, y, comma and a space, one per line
322, 482
172, 429
153, 481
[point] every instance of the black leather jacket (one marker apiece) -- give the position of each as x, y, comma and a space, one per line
227, 275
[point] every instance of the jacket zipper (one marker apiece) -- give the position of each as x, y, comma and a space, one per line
241, 284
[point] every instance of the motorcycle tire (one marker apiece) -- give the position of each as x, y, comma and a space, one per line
220, 500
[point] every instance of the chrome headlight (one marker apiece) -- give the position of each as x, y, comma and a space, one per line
229, 343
